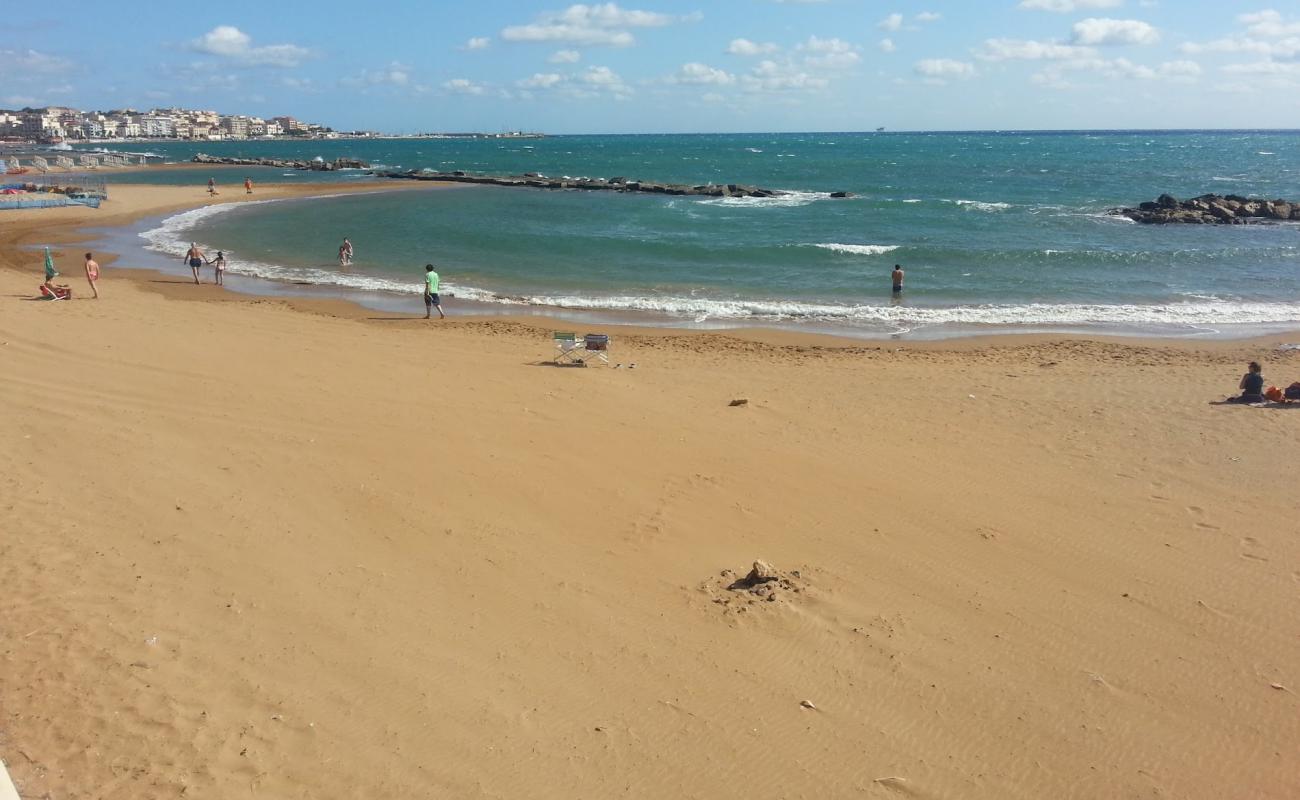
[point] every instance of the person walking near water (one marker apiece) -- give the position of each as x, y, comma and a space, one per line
195, 258
431, 299
248, 185
92, 274
212, 187
219, 268
345, 252
897, 276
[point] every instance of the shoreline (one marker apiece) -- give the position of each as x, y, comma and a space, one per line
251, 543
645, 322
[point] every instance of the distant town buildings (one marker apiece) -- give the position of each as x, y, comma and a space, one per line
56, 124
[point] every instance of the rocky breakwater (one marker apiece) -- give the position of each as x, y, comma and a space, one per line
534, 180
1211, 209
314, 165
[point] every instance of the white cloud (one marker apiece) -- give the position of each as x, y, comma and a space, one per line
230, 42
464, 86
769, 76
541, 80
1066, 6
1028, 50
1103, 32
940, 69
701, 74
565, 57
34, 62
478, 43
892, 22
395, 74
829, 53
886, 45
744, 47
1264, 68
1269, 24
601, 24
928, 16
1182, 71
603, 78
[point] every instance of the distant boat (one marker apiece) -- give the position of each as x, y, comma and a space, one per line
878, 130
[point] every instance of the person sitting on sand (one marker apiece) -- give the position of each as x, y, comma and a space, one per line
1251, 386
195, 258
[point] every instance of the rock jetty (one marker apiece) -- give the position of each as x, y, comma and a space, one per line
280, 163
1211, 209
617, 184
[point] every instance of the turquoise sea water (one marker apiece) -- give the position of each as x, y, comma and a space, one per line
997, 231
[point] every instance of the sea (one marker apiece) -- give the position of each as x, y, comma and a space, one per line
998, 232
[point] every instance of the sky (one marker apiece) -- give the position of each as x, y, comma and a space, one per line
651, 66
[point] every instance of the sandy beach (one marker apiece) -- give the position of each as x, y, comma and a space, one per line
268, 548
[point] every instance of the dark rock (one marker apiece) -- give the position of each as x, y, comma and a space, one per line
1167, 201
841, 194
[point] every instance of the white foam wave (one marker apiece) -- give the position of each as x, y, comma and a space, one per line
912, 200
858, 249
788, 200
979, 205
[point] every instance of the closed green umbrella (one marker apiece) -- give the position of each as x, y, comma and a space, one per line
50, 272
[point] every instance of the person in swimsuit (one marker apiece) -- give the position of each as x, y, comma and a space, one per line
248, 185
897, 276
212, 186
195, 258
92, 274
219, 264
1251, 386
345, 252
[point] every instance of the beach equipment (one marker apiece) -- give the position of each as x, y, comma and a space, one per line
596, 345
568, 348
7, 790
50, 272
49, 292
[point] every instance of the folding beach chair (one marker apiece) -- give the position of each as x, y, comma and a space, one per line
568, 348
57, 293
596, 345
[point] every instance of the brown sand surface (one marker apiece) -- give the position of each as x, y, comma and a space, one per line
251, 552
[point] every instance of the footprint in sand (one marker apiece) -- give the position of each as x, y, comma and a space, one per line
1253, 557
1197, 512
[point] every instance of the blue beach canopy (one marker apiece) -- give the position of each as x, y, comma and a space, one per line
50, 272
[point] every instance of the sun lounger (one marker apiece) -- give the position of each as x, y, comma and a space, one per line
56, 292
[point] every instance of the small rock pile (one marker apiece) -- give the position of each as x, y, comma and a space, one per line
763, 583
1211, 209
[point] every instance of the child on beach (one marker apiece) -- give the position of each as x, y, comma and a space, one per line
248, 185
219, 264
92, 274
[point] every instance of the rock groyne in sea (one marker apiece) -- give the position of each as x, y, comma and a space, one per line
617, 184
313, 165
1211, 209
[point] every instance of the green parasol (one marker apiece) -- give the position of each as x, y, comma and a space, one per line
50, 272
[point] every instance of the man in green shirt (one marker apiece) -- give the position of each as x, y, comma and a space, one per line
431, 300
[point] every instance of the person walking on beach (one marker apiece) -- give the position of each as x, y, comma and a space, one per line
195, 258
431, 299
92, 274
248, 185
345, 252
897, 276
212, 187
219, 265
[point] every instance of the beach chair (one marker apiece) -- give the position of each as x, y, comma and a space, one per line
55, 293
595, 345
568, 350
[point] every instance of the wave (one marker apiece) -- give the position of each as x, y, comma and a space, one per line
787, 200
858, 249
979, 205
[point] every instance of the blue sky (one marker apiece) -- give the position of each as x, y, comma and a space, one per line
669, 65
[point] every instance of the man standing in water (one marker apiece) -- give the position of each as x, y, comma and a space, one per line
345, 252
897, 275
431, 300
195, 258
